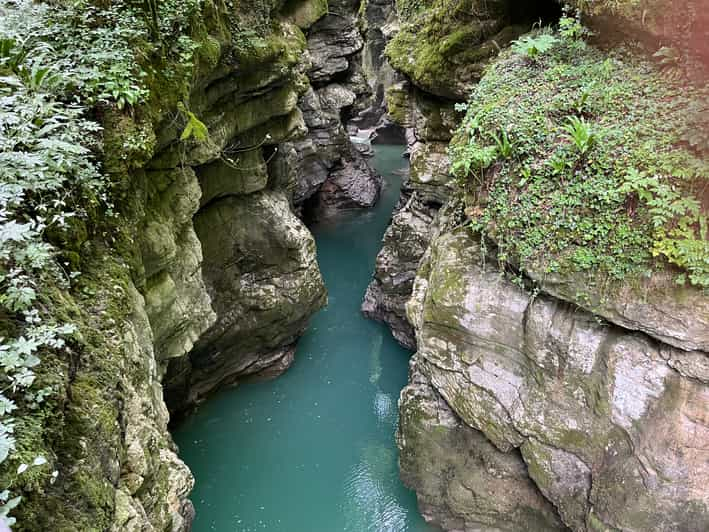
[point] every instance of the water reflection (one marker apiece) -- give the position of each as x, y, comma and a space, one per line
371, 505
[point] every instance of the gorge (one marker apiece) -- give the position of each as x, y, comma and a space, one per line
195, 194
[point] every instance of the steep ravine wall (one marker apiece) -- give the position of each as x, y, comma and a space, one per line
231, 297
610, 422
535, 402
260, 267
223, 254
207, 275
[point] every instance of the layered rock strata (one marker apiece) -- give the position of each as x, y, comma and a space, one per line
609, 423
429, 125
329, 172
204, 277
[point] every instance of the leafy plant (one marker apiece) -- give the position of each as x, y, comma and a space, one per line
195, 128
12, 55
504, 145
581, 101
534, 46
581, 133
570, 26
566, 200
560, 163
473, 159
680, 226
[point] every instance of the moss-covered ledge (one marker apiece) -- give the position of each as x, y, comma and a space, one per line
585, 168
129, 279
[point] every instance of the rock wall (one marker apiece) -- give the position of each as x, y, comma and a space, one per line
206, 275
259, 261
429, 123
330, 173
610, 424
528, 408
221, 258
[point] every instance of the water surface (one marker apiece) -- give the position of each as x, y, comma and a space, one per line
314, 450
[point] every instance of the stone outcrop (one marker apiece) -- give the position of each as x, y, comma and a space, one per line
261, 272
675, 315
572, 406
444, 48
203, 277
379, 23
429, 123
449, 463
154, 484
611, 432
326, 168
221, 258
403, 245
327, 171
175, 297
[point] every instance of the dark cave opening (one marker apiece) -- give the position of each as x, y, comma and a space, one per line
540, 12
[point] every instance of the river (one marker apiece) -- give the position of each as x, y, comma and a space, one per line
314, 450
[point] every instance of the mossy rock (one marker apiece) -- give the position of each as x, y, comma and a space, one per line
445, 47
399, 105
304, 13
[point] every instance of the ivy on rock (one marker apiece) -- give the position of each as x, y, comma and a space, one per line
581, 160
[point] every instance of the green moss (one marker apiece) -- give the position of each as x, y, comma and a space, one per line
398, 102
79, 428
444, 48
283, 47
551, 206
538, 465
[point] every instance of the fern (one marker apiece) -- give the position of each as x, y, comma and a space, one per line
503, 143
581, 133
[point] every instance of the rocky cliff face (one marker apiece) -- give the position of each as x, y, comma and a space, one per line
429, 125
207, 276
259, 259
330, 173
604, 420
550, 402
221, 257
281, 143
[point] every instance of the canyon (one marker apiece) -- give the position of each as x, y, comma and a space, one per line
546, 391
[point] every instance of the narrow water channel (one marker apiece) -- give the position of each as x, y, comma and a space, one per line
314, 450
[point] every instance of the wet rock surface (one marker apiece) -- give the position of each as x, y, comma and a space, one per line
327, 171
449, 464
404, 243
607, 427
261, 271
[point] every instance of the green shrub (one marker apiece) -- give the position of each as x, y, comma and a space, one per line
534, 46
606, 168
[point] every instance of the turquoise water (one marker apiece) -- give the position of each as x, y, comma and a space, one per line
314, 450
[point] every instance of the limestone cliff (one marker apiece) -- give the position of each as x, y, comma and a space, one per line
203, 275
607, 420
330, 173
541, 397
